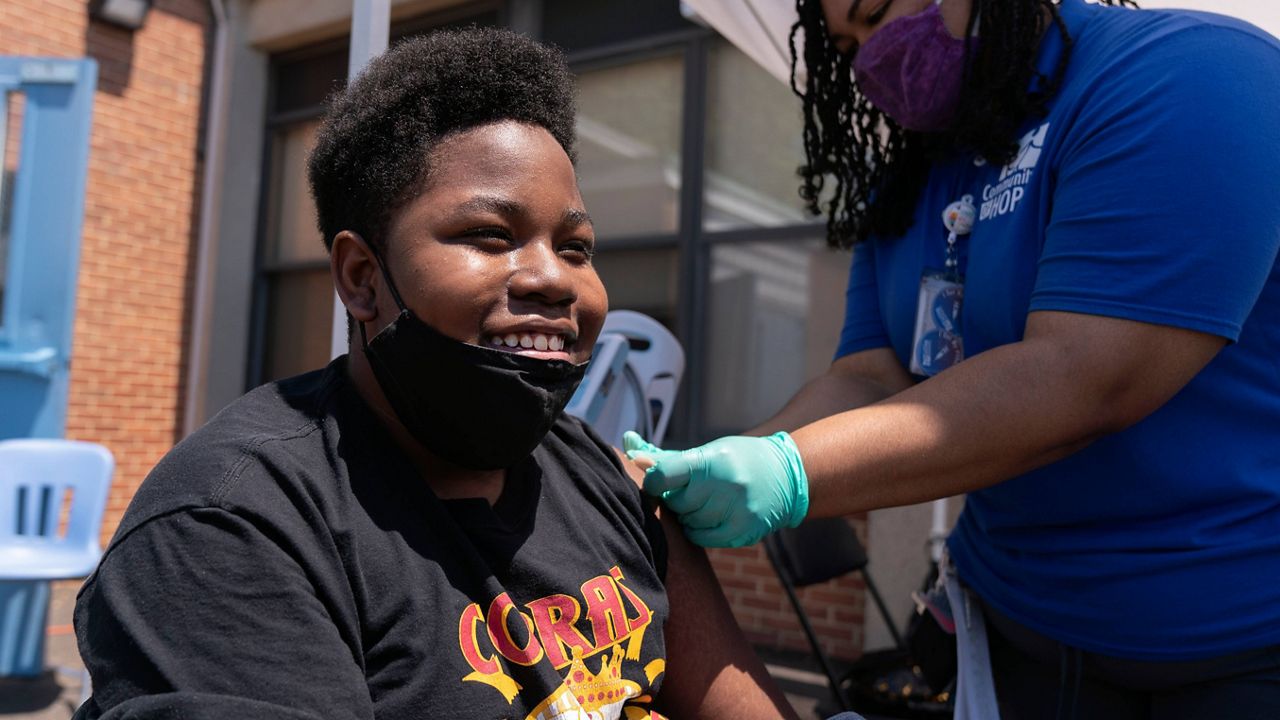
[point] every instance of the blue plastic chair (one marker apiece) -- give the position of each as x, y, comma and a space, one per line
36, 547
632, 381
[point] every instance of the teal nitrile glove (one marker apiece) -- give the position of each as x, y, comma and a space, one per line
730, 492
636, 446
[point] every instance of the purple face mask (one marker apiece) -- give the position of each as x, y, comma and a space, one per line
913, 70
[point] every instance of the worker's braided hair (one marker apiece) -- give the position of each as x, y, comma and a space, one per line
878, 167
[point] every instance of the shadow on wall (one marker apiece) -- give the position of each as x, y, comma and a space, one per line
112, 47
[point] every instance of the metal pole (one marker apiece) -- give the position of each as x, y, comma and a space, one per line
370, 30
938, 531
695, 256
193, 413
4, 142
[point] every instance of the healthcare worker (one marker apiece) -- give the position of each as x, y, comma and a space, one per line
1064, 301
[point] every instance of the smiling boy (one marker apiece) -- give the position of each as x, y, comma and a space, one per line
418, 531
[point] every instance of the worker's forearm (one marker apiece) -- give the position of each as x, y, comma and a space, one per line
997, 415
826, 395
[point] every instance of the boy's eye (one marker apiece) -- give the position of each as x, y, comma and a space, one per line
579, 250
496, 233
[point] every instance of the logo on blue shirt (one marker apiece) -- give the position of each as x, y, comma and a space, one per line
1004, 196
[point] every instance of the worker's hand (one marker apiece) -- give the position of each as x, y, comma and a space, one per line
730, 492
641, 451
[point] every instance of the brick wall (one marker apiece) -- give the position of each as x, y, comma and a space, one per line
835, 609
141, 205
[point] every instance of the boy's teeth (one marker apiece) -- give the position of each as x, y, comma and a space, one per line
536, 341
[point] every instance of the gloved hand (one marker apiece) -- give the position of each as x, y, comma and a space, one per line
730, 492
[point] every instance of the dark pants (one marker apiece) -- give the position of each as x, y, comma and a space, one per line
1041, 679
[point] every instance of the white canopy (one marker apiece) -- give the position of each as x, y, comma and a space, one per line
760, 28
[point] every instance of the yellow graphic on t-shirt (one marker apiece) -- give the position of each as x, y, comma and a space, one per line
589, 696
654, 669
558, 630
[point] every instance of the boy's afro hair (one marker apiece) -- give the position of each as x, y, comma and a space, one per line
376, 139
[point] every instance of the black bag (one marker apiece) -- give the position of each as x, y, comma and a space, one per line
932, 649
887, 682
915, 683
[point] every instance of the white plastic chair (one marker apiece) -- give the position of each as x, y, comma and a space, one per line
632, 382
35, 546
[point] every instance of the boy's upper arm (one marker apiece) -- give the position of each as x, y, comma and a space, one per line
207, 608
711, 670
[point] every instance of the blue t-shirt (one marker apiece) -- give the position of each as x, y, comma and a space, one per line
1150, 192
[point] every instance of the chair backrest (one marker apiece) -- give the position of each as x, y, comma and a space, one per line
602, 399
36, 477
632, 382
816, 551
657, 360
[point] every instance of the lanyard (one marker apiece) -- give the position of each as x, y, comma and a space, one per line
938, 342
958, 219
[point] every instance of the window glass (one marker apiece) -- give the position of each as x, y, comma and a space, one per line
753, 145
646, 280
299, 317
629, 146
303, 80
642, 280
299, 292
776, 310
11, 107
575, 25
292, 235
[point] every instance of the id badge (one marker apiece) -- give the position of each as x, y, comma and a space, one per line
937, 343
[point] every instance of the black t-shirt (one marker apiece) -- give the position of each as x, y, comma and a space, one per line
286, 561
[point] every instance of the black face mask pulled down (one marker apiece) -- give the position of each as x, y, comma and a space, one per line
475, 407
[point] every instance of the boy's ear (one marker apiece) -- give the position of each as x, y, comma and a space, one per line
354, 270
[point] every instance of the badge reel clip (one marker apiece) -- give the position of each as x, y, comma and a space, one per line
938, 343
